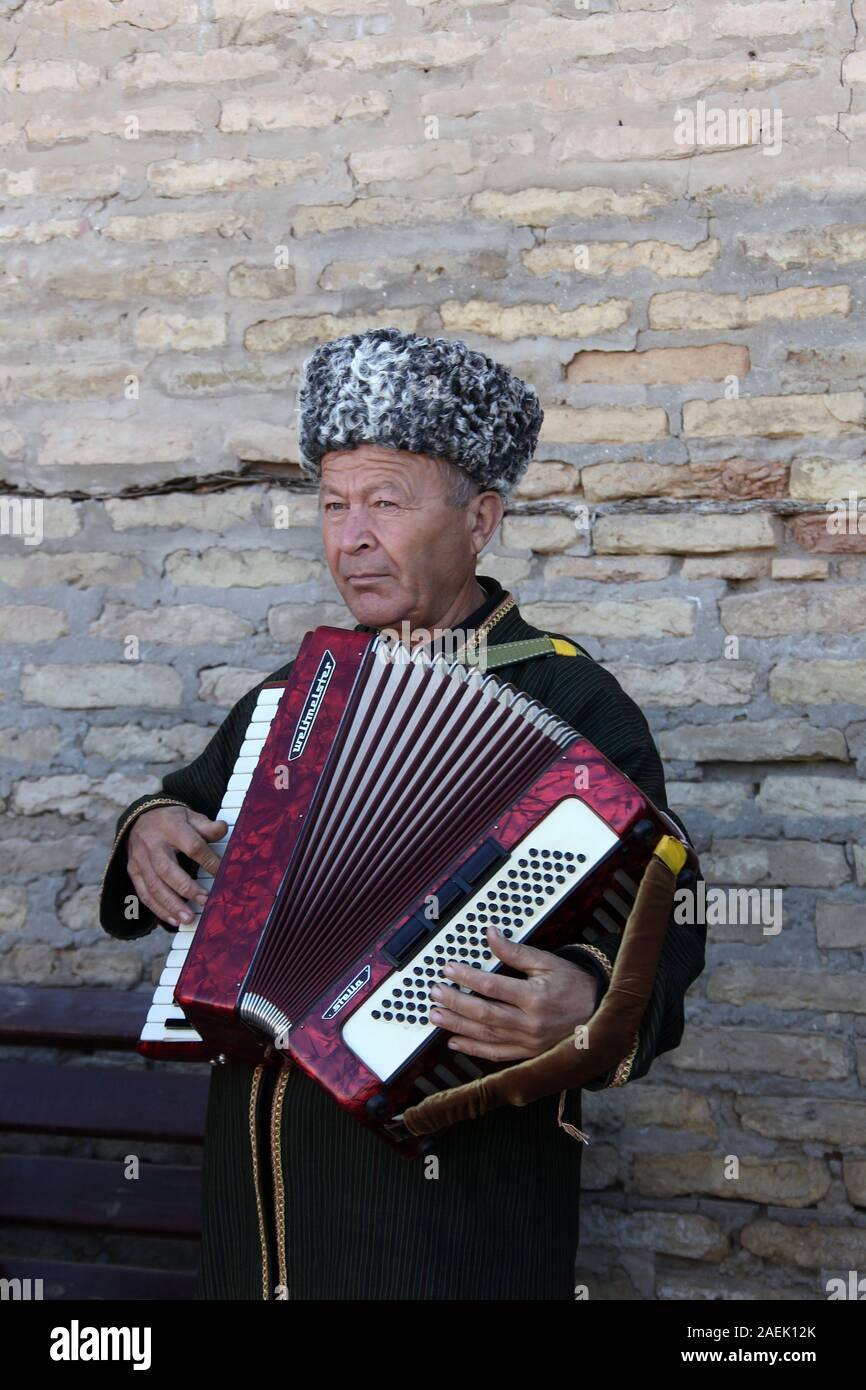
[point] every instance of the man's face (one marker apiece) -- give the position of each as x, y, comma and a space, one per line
394, 546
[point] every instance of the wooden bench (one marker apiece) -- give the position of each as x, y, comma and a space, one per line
72, 1193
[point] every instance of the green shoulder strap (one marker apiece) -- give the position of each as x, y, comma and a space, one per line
508, 653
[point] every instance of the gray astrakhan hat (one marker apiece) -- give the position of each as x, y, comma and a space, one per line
425, 395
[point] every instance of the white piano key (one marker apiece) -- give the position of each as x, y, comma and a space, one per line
156, 1032
168, 979
160, 1013
244, 765
252, 747
270, 697
164, 994
175, 959
239, 782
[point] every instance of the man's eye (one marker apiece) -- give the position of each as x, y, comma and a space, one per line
387, 501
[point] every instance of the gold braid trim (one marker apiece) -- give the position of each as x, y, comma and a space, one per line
623, 1071
254, 1096
598, 953
139, 811
277, 1167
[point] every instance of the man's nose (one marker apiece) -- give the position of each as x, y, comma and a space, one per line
356, 530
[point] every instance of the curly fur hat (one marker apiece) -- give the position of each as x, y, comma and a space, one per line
426, 395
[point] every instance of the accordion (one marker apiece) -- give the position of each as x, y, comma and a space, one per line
386, 806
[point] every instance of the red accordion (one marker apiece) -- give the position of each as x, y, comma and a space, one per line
386, 807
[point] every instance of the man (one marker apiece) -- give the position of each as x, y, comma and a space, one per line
417, 443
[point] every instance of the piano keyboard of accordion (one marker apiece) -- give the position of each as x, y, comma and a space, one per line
167, 1033
395, 807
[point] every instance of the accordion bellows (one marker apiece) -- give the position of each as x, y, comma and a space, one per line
389, 805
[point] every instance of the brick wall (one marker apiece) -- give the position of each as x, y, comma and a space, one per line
194, 195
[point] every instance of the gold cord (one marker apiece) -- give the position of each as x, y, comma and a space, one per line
277, 1168
254, 1095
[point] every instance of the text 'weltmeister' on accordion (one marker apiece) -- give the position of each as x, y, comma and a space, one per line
386, 807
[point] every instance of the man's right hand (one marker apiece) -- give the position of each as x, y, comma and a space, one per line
155, 839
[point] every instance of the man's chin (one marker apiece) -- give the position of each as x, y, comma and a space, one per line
373, 609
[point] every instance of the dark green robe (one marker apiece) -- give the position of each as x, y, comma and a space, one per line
501, 1218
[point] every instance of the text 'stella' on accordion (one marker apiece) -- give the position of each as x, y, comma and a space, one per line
385, 808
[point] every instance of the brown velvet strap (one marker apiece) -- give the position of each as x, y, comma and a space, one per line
591, 1050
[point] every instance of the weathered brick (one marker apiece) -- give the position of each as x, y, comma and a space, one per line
742, 479
804, 1247
179, 178
834, 534
681, 535
37, 571
544, 534
621, 258
777, 417
793, 567
807, 1056
624, 569
102, 685
823, 480
239, 569
642, 618
548, 479
183, 624
185, 67
599, 424
275, 335
388, 163
806, 797
406, 51
698, 311
507, 322
247, 281
659, 366
818, 682
685, 1235
131, 743
726, 567
684, 683
815, 1119
216, 511
544, 207
783, 1182
180, 332
778, 862
777, 988
785, 611
173, 226
768, 740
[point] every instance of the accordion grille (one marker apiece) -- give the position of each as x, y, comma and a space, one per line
428, 753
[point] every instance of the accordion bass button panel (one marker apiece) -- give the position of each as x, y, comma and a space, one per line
541, 871
166, 1023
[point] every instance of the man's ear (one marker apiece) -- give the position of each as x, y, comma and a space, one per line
487, 511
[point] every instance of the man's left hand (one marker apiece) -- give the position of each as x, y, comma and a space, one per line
506, 1019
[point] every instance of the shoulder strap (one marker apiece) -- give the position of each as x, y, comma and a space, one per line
509, 653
